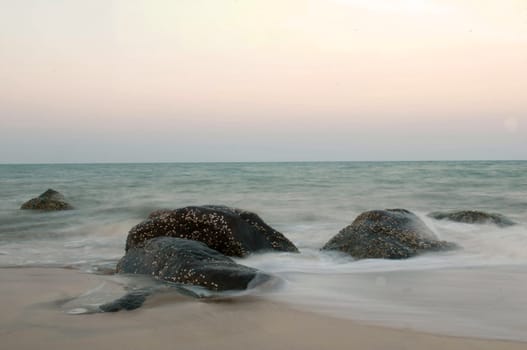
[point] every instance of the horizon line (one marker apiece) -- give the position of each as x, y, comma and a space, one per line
264, 162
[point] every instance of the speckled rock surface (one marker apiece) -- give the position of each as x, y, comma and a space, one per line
189, 262
49, 200
388, 234
233, 232
473, 217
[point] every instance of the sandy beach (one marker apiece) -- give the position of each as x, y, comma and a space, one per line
34, 317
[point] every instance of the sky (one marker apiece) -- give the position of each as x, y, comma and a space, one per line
262, 80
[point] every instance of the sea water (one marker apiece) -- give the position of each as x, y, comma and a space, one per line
479, 290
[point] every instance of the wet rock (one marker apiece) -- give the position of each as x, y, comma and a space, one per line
233, 232
473, 217
49, 200
130, 301
188, 262
387, 234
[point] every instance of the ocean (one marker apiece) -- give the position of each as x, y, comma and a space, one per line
479, 290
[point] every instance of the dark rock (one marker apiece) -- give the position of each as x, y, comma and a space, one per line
388, 234
233, 232
189, 262
130, 301
49, 200
473, 217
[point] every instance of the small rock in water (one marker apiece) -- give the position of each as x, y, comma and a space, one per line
473, 217
130, 301
50, 200
387, 234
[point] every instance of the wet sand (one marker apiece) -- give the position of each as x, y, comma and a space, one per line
32, 318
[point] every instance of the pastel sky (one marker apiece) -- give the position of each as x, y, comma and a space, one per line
248, 80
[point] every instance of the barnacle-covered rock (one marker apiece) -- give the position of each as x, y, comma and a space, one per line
388, 234
473, 217
233, 232
49, 200
189, 262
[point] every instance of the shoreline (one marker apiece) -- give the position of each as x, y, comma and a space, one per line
33, 318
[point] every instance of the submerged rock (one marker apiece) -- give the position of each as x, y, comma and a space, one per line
233, 232
473, 217
130, 301
387, 234
49, 200
189, 262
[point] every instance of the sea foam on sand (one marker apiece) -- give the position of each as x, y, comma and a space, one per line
33, 317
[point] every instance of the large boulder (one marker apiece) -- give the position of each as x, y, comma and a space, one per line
387, 234
49, 200
191, 263
473, 217
233, 232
